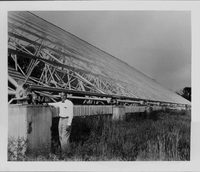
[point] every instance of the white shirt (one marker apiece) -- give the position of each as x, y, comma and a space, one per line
65, 109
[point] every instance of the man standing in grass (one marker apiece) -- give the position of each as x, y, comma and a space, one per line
65, 112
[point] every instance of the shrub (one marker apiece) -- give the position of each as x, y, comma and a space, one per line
17, 149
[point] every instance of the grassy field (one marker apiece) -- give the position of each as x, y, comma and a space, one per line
159, 136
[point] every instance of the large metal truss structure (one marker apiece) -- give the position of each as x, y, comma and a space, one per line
59, 68
40, 65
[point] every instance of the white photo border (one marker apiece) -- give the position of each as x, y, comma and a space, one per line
193, 7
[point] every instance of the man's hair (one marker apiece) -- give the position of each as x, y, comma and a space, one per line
62, 94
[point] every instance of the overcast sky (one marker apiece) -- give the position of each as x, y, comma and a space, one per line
156, 43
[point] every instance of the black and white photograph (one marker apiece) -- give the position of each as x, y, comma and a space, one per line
99, 85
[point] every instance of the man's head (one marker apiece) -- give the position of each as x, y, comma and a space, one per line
63, 97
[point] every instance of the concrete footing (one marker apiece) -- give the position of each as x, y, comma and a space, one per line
148, 110
118, 113
31, 126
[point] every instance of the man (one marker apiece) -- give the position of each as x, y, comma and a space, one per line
65, 112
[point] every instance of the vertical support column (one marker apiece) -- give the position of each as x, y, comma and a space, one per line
118, 112
164, 108
187, 110
30, 125
148, 110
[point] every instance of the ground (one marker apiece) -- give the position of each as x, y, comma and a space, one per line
162, 135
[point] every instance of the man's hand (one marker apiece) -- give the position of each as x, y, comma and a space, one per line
68, 129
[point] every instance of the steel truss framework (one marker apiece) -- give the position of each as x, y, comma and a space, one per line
39, 60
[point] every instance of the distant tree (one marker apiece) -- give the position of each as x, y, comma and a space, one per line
185, 92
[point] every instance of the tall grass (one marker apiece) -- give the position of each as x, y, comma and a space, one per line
159, 136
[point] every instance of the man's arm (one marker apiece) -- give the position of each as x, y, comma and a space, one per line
71, 113
54, 106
